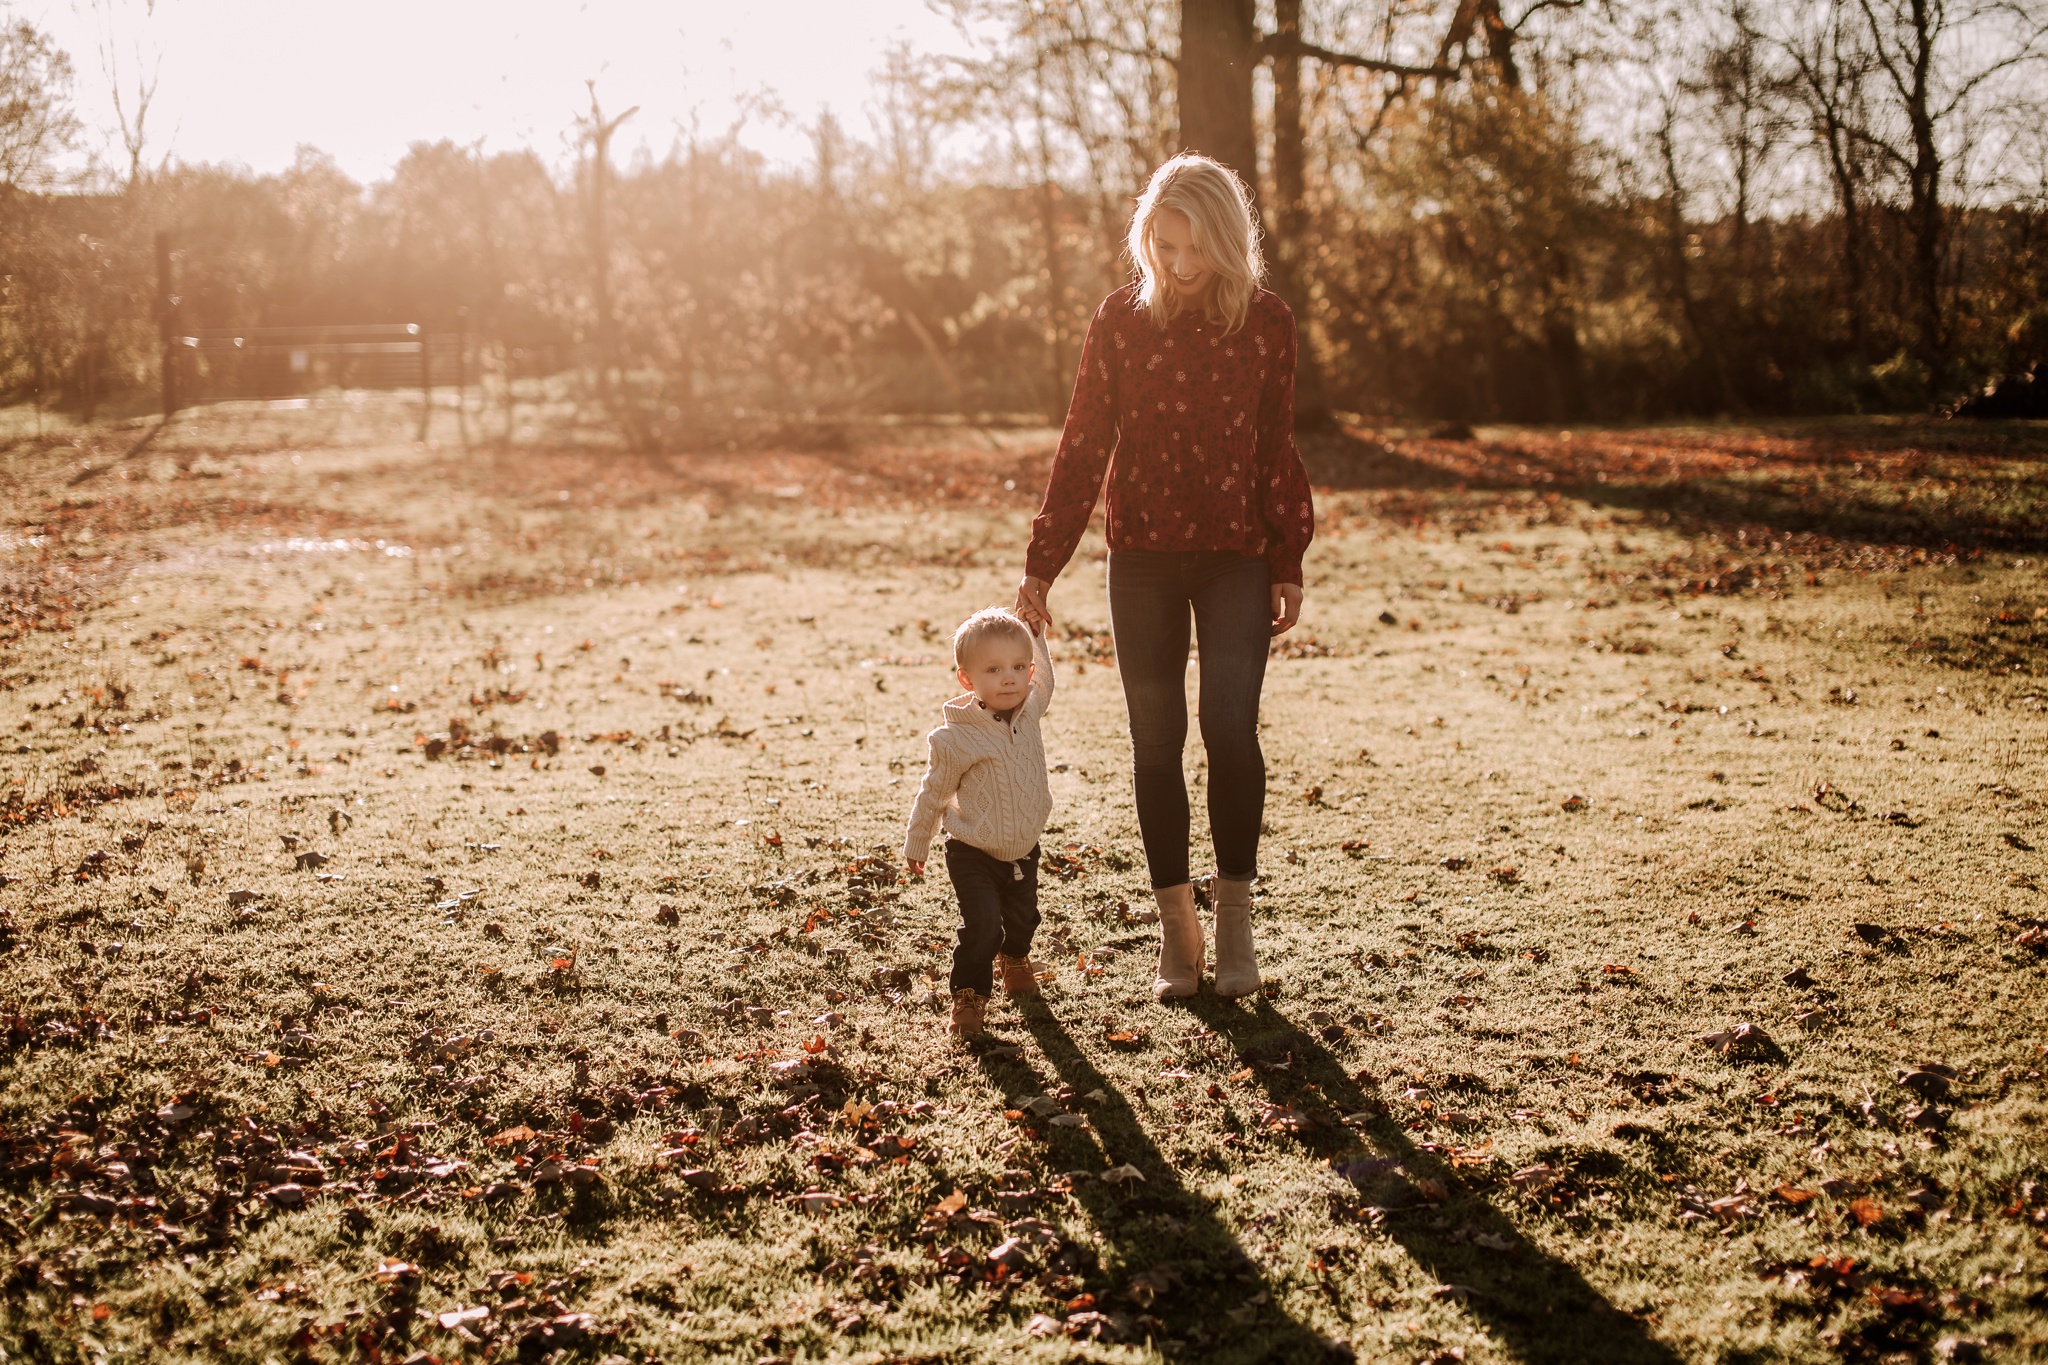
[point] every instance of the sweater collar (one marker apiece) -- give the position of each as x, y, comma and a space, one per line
965, 709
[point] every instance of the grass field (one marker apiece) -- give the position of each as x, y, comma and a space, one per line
450, 912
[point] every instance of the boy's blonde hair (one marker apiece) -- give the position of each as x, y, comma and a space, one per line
987, 624
1219, 210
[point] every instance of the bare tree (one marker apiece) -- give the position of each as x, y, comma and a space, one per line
595, 132
1831, 67
1938, 57
1747, 101
36, 121
131, 105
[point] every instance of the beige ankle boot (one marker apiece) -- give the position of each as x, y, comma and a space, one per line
1180, 943
1237, 966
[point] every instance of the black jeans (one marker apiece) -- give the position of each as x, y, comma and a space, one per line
1152, 594
998, 912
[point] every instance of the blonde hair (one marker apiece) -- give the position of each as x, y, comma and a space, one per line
1218, 207
987, 624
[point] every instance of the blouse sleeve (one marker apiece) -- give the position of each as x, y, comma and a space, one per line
1082, 459
1284, 498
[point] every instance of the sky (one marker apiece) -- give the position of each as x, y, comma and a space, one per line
249, 81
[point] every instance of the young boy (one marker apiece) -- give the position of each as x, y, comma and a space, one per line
986, 783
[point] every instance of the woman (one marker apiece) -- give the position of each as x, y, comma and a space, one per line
1186, 397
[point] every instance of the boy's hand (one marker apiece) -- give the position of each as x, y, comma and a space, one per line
1031, 608
916, 868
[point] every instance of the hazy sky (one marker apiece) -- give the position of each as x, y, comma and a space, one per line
248, 81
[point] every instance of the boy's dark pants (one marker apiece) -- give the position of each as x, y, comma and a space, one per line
998, 912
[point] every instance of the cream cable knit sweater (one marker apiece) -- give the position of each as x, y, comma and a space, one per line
986, 779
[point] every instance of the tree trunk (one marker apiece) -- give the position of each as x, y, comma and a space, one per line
1925, 190
1218, 51
1289, 221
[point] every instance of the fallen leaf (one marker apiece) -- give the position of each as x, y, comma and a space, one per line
1793, 1195
1866, 1211
1118, 1175
951, 1204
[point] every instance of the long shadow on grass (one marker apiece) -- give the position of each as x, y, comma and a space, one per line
1161, 1222
1537, 1305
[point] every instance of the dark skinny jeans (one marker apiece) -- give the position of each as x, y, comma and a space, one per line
998, 912
1152, 595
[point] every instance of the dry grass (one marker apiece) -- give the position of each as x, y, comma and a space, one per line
509, 836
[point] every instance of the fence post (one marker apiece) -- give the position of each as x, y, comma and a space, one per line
426, 381
167, 323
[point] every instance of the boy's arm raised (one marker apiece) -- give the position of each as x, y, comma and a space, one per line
1041, 672
941, 780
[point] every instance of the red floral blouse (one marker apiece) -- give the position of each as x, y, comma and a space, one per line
1201, 430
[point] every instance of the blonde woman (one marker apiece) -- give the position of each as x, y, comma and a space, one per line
1185, 399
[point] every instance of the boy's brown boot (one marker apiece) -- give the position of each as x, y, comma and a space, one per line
1237, 964
1180, 943
970, 1009
1020, 976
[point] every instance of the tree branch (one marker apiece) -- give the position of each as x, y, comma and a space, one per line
1277, 45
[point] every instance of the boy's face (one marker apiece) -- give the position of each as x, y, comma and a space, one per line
998, 672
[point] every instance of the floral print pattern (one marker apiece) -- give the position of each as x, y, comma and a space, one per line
1195, 431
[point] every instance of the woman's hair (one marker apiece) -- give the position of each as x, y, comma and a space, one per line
990, 623
1219, 209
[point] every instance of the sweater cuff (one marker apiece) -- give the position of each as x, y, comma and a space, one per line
1040, 565
1284, 566
916, 850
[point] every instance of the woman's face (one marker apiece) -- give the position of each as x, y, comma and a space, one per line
1173, 242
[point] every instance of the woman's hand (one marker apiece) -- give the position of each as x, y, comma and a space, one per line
1031, 607
1286, 606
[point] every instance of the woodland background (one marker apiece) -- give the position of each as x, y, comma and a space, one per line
1484, 210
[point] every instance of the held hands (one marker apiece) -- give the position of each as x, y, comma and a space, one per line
1286, 606
1031, 608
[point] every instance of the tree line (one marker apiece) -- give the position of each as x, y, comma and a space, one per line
1541, 210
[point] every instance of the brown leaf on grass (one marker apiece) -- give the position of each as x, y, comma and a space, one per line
507, 1137
1455, 864
1793, 1195
1799, 979
1122, 1175
1573, 803
1870, 933
1506, 876
1744, 1037
666, 914
1126, 1036
1866, 1211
